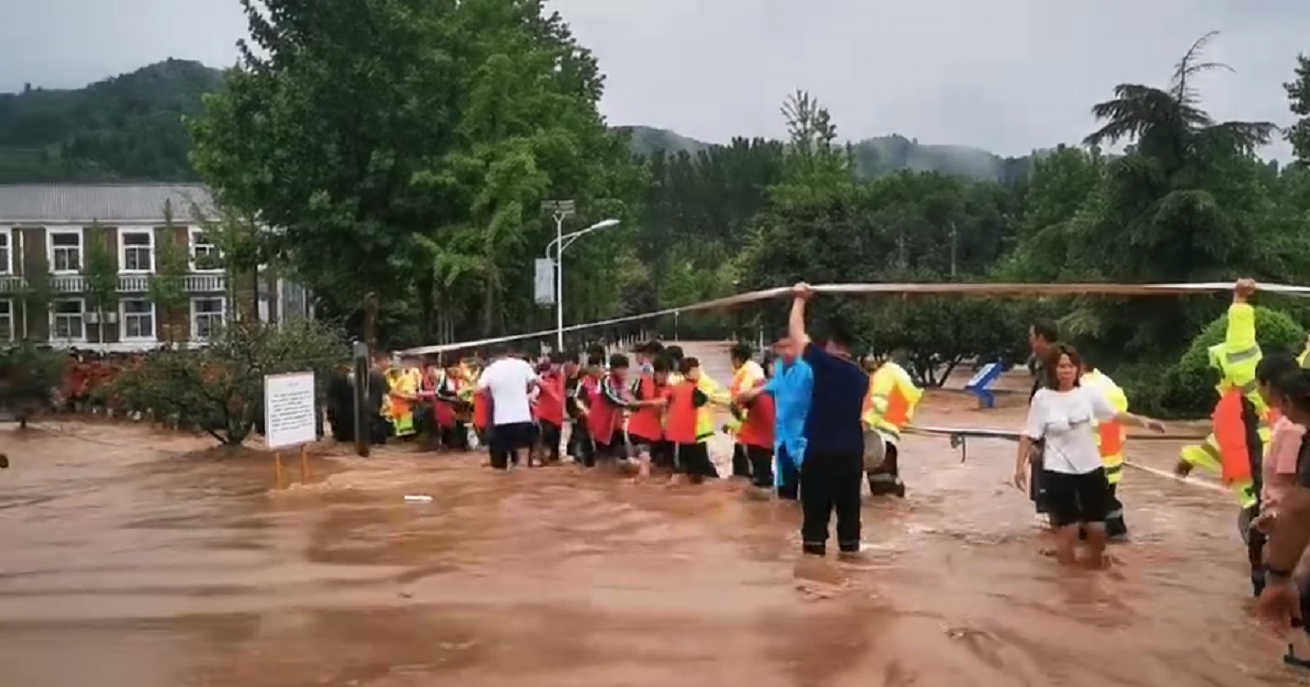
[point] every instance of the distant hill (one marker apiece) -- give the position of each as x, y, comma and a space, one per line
129, 128
874, 157
126, 128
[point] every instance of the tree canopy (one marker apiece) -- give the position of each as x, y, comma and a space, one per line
399, 152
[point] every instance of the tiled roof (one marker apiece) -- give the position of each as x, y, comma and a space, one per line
108, 203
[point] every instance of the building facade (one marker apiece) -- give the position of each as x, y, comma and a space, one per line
50, 229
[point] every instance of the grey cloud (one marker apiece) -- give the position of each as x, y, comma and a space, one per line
1004, 75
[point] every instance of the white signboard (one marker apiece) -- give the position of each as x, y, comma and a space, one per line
289, 415
543, 283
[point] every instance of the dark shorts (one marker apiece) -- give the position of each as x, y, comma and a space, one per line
1073, 499
641, 444
513, 436
661, 453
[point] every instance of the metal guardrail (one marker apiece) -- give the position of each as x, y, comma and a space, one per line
127, 283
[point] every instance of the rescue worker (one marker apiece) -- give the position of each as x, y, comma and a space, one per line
756, 433
402, 399
646, 425
451, 409
587, 390
1240, 422
1110, 439
746, 374
606, 413
888, 408
683, 423
550, 409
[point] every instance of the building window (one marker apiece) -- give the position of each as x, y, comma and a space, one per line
136, 319
207, 316
6, 250
66, 319
65, 251
136, 251
205, 255
7, 331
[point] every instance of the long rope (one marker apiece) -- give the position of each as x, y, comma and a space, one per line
887, 289
981, 433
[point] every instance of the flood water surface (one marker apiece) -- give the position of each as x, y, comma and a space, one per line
126, 561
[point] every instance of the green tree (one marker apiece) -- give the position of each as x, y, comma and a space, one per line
1298, 92
168, 282
28, 378
101, 274
219, 389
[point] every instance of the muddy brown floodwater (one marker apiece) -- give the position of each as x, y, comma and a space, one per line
126, 561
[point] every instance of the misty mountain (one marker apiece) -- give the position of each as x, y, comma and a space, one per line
129, 128
874, 157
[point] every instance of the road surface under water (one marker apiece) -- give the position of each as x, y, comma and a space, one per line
152, 567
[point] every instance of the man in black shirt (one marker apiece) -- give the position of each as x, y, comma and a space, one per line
1042, 335
832, 472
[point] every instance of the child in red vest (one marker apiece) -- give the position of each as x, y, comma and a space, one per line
646, 424
685, 399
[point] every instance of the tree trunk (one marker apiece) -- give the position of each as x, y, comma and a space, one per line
371, 320
426, 308
489, 309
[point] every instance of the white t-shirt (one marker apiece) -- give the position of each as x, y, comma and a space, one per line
1064, 420
509, 380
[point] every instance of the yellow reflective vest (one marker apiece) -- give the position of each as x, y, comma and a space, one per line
1236, 359
744, 378
1113, 459
892, 400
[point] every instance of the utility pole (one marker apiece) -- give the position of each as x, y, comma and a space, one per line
559, 210
954, 242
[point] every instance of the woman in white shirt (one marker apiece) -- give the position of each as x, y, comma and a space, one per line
1061, 415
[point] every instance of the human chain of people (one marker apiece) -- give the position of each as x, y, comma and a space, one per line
811, 423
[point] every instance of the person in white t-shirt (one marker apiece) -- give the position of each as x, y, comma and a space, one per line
510, 381
1077, 492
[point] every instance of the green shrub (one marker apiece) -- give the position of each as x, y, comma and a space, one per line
28, 378
1187, 388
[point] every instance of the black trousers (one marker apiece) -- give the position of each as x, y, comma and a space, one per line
789, 478
741, 462
581, 447
550, 436
1115, 526
886, 479
832, 483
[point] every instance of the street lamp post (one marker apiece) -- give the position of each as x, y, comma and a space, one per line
561, 210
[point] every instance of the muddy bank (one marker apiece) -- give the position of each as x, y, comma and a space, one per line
128, 566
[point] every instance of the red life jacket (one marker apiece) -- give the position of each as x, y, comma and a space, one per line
481, 410
550, 402
1230, 434
603, 417
757, 430
647, 422
445, 410
680, 418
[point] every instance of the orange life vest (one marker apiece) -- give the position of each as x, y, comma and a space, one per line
1112, 437
757, 430
1230, 435
481, 410
604, 418
646, 422
680, 420
550, 402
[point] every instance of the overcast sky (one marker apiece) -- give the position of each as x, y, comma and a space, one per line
1005, 75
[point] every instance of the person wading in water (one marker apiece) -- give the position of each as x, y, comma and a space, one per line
1062, 414
833, 469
